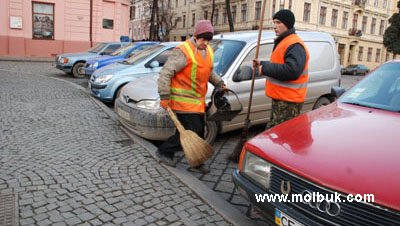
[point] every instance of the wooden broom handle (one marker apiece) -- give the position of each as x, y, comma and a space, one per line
178, 124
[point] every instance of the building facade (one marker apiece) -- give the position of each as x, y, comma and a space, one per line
49, 27
356, 25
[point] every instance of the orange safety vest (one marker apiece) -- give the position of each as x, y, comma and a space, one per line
189, 86
291, 91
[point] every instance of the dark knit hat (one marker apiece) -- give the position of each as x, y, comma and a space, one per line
286, 17
203, 26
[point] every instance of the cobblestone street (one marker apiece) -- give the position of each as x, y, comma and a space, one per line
68, 162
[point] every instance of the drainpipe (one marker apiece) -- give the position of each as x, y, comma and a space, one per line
90, 24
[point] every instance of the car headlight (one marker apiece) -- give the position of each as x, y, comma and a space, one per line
103, 78
148, 104
257, 169
95, 64
63, 60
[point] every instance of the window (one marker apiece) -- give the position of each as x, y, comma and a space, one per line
244, 13
364, 24
355, 21
176, 3
378, 55
224, 17
133, 11
322, 15
384, 3
184, 2
108, 24
334, 17
360, 53
273, 7
216, 16
369, 54
162, 57
258, 10
306, 13
345, 20
282, 4
193, 19
206, 15
110, 49
183, 21
43, 21
373, 25
376, 3
290, 4
382, 27
234, 10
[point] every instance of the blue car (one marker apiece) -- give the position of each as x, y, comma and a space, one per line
72, 63
119, 55
106, 82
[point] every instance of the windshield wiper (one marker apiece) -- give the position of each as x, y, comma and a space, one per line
362, 105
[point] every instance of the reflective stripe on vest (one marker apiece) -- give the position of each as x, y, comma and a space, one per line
185, 96
291, 91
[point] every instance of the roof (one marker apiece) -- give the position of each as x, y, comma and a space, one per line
251, 36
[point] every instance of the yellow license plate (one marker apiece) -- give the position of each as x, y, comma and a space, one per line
283, 219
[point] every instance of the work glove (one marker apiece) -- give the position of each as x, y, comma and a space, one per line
164, 103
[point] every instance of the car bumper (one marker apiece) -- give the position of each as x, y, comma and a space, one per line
101, 92
64, 68
150, 124
88, 70
248, 190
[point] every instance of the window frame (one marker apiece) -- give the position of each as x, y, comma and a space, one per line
33, 22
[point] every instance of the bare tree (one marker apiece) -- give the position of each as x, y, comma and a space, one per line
153, 19
212, 11
167, 20
229, 15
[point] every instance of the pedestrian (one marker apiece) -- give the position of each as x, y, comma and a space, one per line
287, 71
182, 86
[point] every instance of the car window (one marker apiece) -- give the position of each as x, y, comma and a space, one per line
322, 56
111, 48
138, 49
142, 55
225, 52
97, 48
380, 89
162, 57
123, 50
264, 54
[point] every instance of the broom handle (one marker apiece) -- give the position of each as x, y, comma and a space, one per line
178, 124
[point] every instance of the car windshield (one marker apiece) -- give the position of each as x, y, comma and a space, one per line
380, 89
351, 66
225, 52
123, 50
140, 56
97, 48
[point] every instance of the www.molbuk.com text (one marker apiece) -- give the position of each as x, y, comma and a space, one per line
311, 197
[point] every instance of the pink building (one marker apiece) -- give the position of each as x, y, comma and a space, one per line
49, 27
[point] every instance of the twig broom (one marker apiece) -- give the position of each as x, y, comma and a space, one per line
243, 138
196, 150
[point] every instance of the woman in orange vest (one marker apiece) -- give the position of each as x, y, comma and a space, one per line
287, 70
182, 86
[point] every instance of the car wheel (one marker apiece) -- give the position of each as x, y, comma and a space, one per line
211, 131
322, 101
76, 70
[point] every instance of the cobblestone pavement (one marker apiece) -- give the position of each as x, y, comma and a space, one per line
219, 179
69, 164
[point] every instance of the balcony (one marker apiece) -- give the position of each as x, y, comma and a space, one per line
355, 32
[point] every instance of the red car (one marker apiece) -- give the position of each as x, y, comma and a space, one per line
350, 148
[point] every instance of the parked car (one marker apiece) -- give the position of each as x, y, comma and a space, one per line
349, 147
106, 82
71, 63
355, 69
138, 104
119, 55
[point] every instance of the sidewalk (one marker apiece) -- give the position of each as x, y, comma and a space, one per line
64, 161
26, 59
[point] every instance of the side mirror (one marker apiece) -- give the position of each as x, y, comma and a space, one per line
244, 73
337, 91
154, 64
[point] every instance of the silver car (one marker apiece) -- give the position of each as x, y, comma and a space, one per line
138, 105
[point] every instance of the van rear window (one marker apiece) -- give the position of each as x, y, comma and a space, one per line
322, 56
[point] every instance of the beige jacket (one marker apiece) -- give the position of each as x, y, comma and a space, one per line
176, 62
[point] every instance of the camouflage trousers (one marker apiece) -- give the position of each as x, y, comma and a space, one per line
282, 111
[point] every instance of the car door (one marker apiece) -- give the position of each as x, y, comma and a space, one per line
261, 105
155, 65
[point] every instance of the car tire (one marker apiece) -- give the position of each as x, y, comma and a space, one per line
322, 101
211, 131
76, 69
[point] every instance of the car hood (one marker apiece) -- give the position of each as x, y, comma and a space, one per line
142, 88
351, 149
80, 54
115, 68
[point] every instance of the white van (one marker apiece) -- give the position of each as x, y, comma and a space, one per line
138, 105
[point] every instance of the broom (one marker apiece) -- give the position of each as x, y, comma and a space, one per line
196, 150
243, 138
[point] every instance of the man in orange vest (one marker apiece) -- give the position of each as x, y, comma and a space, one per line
182, 85
287, 70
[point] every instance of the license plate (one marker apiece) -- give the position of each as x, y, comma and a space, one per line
283, 219
123, 114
